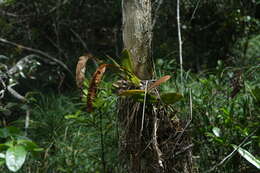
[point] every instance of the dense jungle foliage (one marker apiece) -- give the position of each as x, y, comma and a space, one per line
44, 123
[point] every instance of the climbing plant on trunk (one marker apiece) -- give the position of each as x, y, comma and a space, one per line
151, 134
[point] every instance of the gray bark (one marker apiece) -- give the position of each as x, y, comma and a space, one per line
137, 35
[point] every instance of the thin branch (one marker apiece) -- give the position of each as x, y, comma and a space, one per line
102, 144
15, 93
184, 149
188, 123
80, 39
155, 142
180, 43
143, 114
156, 12
195, 10
5, 13
36, 51
27, 120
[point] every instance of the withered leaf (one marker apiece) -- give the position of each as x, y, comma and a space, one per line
96, 79
159, 81
81, 68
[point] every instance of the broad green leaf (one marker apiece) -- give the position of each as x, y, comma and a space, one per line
171, 98
138, 95
126, 61
131, 92
9, 131
6, 132
248, 156
28, 144
15, 157
216, 131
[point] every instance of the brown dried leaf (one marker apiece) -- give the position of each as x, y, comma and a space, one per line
158, 82
94, 84
81, 68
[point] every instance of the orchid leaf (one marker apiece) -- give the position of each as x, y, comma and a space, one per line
171, 98
126, 61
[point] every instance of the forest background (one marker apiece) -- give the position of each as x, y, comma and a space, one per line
41, 109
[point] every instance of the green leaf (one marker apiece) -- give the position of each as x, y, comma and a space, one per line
38, 149
248, 156
15, 157
256, 93
216, 131
131, 92
2, 161
138, 95
3, 147
126, 60
127, 67
171, 98
9, 131
28, 144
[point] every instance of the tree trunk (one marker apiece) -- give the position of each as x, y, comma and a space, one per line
137, 35
151, 140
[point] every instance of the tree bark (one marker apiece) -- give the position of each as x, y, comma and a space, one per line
137, 35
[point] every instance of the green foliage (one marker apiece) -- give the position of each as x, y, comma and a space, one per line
15, 148
171, 98
126, 60
70, 136
221, 120
248, 50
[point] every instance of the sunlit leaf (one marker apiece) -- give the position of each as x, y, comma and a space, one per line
71, 116
216, 131
171, 98
15, 157
2, 156
248, 156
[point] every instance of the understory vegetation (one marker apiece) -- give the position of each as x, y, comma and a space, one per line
76, 141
